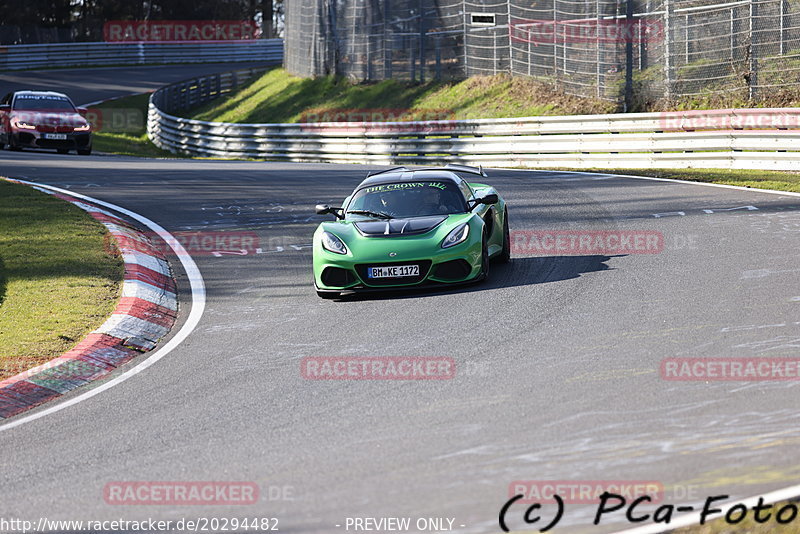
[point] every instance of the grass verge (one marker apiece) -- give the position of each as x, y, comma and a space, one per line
778, 180
277, 96
57, 282
123, 129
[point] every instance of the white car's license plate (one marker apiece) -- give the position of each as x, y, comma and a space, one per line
395, 271
60, 137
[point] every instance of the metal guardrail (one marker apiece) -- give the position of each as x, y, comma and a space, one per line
737, 138
22, 57
190, 93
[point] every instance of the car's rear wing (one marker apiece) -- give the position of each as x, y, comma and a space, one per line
466, 168
449, 167
393, 169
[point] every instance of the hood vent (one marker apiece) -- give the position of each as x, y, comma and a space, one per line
398, 227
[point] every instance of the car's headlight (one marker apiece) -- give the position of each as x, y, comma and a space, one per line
332, 243
84, 128
22, 125
458, 235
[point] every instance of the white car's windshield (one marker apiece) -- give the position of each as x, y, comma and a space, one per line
408, 199
42, 103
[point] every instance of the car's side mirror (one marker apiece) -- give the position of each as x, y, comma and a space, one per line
82, 111
5, 107
488, 199
324, 209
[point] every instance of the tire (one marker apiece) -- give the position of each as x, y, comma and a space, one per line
327, 295
12, 146
485, 261
62, 150
84, 151
505, 255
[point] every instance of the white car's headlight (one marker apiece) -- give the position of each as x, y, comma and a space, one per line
332, 243
458, 235
82, 128
22, 125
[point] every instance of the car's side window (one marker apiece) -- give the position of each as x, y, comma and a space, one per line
466, 190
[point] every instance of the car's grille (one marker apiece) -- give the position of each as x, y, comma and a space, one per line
424, 267
72, 141
452, 270
55, 143
337, 277
50, 128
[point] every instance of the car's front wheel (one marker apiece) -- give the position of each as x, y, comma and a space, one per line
485, 261
505, 255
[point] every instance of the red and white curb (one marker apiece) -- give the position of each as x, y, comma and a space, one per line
145, 313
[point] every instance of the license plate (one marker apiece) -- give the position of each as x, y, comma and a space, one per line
396, 271
60, 137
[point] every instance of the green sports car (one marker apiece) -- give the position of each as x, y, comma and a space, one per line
411, 228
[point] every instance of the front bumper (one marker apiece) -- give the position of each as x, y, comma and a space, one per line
336, 272
430, 285
36, 139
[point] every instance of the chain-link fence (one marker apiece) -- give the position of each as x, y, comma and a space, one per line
635, 51
375, 39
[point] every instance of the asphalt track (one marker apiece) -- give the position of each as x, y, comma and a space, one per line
98, 83
557, 358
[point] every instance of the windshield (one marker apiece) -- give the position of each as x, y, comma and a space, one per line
408, 199
42, 103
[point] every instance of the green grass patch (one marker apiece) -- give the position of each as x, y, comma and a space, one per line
57, 282
124, 129
278, 97
778, 180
